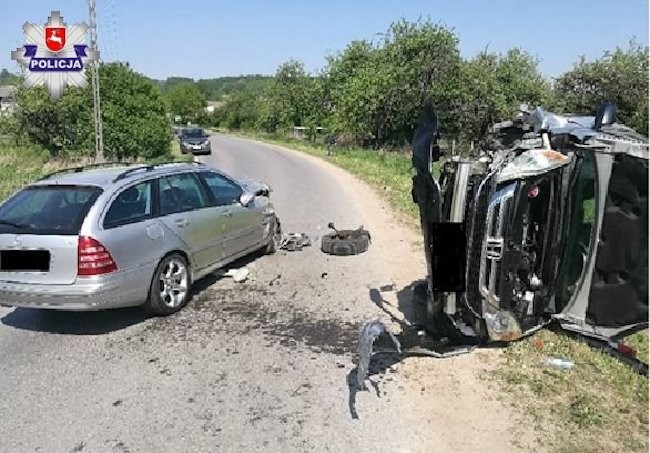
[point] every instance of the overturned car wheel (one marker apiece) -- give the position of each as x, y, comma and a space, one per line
346, 242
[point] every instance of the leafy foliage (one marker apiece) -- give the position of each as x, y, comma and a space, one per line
489, 88
7, 78
215, 89
288, 97
134, 117
186, 100
620, 76
220, 87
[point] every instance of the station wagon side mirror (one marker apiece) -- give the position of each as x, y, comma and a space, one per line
246, 198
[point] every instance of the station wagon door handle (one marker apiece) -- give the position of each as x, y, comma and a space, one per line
181, 222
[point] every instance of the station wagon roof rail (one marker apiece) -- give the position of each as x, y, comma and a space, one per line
150, 167
135, 166
82, 168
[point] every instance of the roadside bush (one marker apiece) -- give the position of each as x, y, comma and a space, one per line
134, 117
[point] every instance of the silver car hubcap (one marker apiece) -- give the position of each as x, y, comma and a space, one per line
173, 283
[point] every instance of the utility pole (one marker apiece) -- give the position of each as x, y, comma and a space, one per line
94, 73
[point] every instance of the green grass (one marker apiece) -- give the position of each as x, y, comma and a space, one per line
599, 405
177, 155
20, 165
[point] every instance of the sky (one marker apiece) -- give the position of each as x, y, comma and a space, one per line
205, 39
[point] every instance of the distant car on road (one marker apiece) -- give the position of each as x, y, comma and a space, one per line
194, 140
99, 238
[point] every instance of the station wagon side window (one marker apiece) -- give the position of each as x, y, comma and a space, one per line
224, 192
132, 205
180, 193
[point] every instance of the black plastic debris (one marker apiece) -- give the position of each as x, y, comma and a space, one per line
295, 241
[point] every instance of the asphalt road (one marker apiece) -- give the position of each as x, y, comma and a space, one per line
259, 366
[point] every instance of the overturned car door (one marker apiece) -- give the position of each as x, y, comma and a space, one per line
549, 222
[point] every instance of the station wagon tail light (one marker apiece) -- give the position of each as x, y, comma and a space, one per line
93, 257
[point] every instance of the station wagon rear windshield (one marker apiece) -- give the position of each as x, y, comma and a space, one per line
57, 210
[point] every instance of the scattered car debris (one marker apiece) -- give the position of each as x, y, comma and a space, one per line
388, 287
238, 274
413, 340
295, 241
562, 364
323, 275
345, 242
367, 337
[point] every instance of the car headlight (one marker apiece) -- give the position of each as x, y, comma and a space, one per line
206, 143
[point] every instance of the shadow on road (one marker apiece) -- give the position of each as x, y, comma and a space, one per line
74, 323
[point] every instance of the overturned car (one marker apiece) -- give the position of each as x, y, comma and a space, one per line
549, 222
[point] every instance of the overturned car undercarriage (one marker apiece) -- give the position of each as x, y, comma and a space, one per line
549, 223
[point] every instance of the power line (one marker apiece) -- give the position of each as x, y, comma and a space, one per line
94, 71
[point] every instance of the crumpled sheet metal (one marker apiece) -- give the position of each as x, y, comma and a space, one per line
367, 337
532, 163
295, 241
578, 126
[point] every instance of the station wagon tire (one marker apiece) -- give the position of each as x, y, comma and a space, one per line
170, 286
345, 242
276, 238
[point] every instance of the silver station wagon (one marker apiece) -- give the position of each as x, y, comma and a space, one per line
99, 237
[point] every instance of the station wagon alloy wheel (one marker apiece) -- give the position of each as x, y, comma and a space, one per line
170, 286
173, 283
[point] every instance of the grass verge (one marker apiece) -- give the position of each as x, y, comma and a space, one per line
598, 405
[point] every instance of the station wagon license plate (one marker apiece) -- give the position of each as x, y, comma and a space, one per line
24, 260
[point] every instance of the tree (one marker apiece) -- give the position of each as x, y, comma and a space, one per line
620, 76
378, 89
241, 111
7, 78
489, 88
287, 99
186, 100
134, 118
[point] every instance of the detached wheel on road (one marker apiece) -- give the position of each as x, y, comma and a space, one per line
346, 242
170, 287
276, 237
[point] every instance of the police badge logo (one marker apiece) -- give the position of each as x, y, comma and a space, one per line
55, 55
